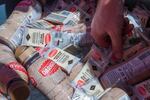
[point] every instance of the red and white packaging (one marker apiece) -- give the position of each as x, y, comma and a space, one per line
37, 37
7, 58
46, 76
64, 59
84, 76
142, 90
6, 75
44, 73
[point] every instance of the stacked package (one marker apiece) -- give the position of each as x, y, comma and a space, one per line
56, 54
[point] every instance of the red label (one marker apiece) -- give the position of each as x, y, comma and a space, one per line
48, 68
38, 49
96, 55
41, 51
142, 90
47, 38
73, 9
17, 66
80, 83
53, 53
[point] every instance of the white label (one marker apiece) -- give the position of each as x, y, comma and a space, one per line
128, 70
62, 58
41, 38
26, 18
36, 37
84, 76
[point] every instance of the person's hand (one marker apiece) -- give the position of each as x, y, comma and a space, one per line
108, 21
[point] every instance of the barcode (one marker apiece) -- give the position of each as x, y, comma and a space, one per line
143, 56
38, 38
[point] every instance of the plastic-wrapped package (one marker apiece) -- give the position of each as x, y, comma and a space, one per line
84, 17
64, 59
63, 18
25, 12
46, 76
42, 38
7, 58
12, 84
99, 58
83, 76
135, 68
13, 72
86, 81
102, 58
93, 88
79, 28
40, 24
138, 31
141, 90
37, 37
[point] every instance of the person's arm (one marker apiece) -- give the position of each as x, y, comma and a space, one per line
108, 21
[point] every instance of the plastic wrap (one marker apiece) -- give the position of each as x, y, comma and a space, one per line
25, 12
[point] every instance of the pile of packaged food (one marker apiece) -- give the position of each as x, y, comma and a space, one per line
55, 53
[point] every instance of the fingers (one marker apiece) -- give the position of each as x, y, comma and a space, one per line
98, 33
116, 40
100, 39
